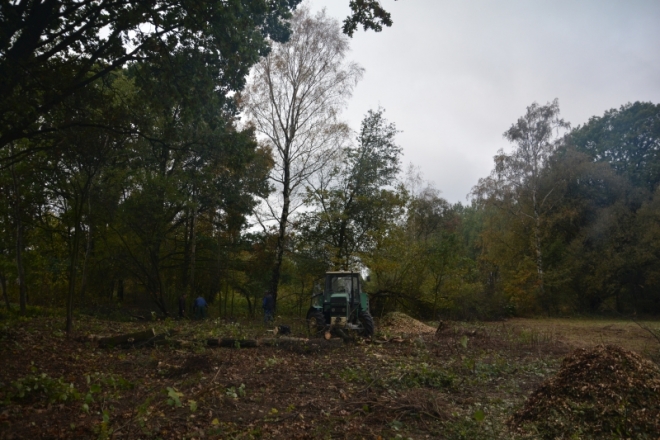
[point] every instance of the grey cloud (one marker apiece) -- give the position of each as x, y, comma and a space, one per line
455, 75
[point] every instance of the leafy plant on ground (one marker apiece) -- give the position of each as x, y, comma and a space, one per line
423, 376
236, 392
41, 386
174, 397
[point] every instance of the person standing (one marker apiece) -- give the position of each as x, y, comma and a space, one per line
268, 304
199, 307
182, 306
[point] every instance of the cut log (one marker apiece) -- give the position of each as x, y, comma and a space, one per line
129, 338
232, 343
159, 339
273, 342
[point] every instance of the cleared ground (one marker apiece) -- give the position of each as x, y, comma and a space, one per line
463, 382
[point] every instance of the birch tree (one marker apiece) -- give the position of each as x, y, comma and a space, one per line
515, 183
293, 101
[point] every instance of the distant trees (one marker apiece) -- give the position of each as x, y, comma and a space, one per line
124, 175
514, 186
628, 139
614, 160
293, 100
585, 210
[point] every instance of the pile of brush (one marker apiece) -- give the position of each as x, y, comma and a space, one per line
603, 392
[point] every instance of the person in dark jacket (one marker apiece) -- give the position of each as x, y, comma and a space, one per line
199, 307
268, 304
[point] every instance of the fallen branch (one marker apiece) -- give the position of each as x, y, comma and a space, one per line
268, 342
138, 339
232, 343
128, 338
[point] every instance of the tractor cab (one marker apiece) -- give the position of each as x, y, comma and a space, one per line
341, 304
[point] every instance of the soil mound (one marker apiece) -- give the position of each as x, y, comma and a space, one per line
602, 392
397, 322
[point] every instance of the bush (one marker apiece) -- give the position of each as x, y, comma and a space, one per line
472, 303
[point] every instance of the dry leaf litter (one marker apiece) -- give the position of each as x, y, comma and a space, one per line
597, 393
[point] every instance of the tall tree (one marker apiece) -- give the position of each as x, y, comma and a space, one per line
52, 49
349, 199
293, 100
515, 183
628, 139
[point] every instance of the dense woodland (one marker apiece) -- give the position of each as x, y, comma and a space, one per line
137, 165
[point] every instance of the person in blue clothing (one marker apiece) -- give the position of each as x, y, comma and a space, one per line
268, 304
199, 307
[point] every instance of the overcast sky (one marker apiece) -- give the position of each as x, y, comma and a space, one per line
454, 75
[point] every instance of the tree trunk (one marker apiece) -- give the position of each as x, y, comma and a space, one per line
218, 274
537, 245
226, 296
193, 248
88, 251
251, 312
232, 302
186, 255
3, 284
342, 235
279, 250
436, 292
72, 277
19, 240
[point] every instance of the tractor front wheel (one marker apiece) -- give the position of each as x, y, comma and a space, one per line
367, 324
315, 321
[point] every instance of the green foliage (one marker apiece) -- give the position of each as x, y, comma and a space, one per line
368, 13
575, 232
402, 375
626, 139
353, 201
174, 397
50, 58
235, 393
424, 375
37, 386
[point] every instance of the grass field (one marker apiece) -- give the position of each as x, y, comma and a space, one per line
463, 383
582, 333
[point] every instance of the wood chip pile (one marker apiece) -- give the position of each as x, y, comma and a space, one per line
397, 322
604, 392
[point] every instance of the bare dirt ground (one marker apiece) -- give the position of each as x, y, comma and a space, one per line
462, 383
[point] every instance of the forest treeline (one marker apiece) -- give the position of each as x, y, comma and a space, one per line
139, 166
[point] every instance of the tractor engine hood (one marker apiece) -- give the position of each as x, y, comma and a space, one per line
339, 309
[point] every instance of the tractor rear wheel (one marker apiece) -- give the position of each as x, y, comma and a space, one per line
367, 324
315, 321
